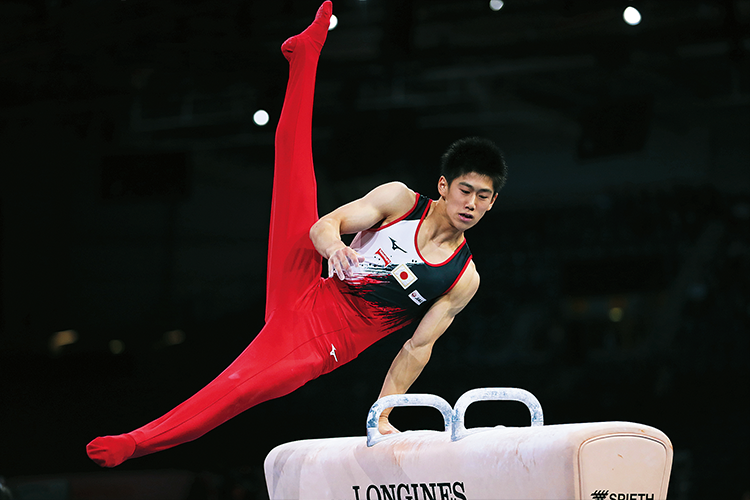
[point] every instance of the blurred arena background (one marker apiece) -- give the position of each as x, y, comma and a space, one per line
135, 181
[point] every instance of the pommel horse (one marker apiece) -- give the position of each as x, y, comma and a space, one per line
585, 461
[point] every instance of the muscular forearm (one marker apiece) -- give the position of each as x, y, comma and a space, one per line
392, 199
415, 354
326, 237
405, 369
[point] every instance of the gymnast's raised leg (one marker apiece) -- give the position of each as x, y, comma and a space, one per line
284, 355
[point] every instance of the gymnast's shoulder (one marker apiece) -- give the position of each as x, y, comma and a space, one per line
393, 198
466, 286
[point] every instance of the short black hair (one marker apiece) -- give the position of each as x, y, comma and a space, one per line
474, 154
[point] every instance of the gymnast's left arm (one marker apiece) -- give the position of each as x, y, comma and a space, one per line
414, 355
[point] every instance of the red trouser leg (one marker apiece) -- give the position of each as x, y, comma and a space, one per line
283, 357
290, 350
286, 353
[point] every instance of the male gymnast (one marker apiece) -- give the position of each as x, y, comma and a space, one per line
409, 262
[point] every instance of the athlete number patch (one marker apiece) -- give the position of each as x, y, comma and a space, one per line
404, 275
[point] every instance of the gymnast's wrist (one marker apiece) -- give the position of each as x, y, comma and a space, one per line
334, 247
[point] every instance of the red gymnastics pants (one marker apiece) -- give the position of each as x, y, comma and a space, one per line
304, 336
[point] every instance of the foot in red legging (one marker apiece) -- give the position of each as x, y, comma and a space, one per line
109, 451
314, 36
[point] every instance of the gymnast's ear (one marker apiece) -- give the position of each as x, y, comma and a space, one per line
443, 186
492, 203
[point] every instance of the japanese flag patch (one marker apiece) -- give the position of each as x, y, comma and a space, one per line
404, 275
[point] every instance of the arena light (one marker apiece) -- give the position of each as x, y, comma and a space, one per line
632, 16
174, 337
615, 314
496, 5
333, 22
261, 117
61, 339
116, 346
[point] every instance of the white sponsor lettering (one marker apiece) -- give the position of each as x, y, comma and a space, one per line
417, 297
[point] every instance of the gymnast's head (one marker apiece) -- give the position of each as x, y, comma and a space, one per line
474, 155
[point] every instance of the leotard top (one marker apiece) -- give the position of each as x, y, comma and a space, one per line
395, 278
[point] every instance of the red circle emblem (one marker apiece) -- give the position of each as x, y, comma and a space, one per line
404, 275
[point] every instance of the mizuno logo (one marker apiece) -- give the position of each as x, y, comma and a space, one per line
395, 246
599, 494
333, 353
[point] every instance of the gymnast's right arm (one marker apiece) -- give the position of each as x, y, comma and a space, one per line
416, 352
385, 202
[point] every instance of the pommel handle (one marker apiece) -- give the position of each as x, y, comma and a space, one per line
493, 394
373, 432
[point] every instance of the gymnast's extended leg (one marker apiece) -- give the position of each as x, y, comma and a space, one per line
293, 263
293, 267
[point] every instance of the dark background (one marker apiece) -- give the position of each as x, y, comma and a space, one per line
135, 194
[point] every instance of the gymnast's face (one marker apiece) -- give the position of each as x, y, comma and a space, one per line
467, 198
